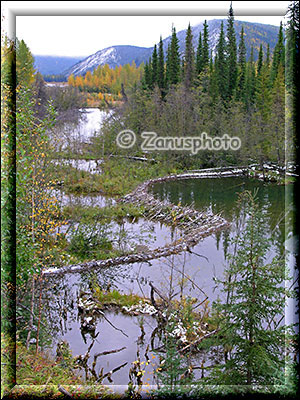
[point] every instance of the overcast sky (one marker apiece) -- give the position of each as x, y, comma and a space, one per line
80, 35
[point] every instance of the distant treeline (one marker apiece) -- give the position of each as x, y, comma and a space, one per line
108, 80
54, 78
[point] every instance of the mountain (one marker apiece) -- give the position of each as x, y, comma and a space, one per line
113, 56
255, 35
52, 65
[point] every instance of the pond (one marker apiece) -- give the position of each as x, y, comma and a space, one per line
73, 135
199, 267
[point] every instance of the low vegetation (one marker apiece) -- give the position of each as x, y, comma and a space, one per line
118, 176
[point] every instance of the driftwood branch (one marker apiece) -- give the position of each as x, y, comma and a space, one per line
109, 374
158, 292
64, 391
104, 353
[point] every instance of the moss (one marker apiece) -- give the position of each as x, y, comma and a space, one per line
115, 298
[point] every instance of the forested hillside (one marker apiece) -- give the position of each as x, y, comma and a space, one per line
224, 94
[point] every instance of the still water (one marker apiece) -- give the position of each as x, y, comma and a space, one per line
72, 136
200, 266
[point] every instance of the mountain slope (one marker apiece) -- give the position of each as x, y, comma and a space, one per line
255, 34
113, 56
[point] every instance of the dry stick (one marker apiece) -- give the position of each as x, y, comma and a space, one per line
159, 293
31, 314
199, 340
188, 278
108, 374
64, 391
104, 353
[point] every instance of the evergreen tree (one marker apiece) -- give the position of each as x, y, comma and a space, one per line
268, 56
173, 60
147, 81
279, 54
292, 48
199, 55
260, 60
221, 65
168, 64
205, 48
241, 87
292, 81
213, 82
161, 66
189, 60
250, 80
154, 67
255, 294
277, 117
231, 54
263, 136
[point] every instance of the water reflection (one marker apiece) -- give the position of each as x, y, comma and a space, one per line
219, 195
113, 341
72, 135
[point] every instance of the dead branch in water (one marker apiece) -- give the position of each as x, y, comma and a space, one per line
199, 340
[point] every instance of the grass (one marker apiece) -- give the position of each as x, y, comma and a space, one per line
118, 176
39, 375
107, 214
115, 298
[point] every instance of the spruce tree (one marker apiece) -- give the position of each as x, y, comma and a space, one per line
277, 117
168, 65
260, 60
231, 54
189, 60
292, 81
254, 344
161, 66
205, 48
213, 82
268, 56
154, 67
292, 48
199, 55
147, 80
263, 135
241, 87
221, 66
173, 60
250, 80
279, 54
